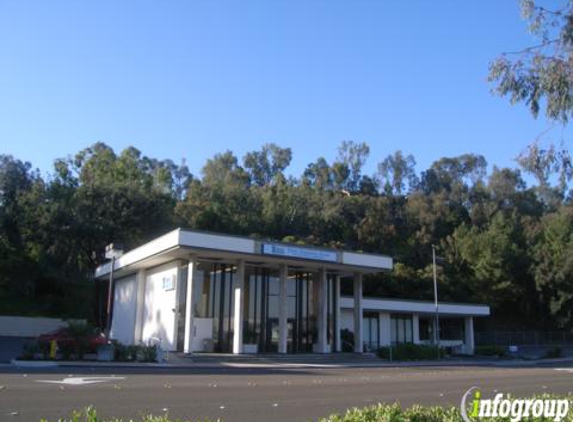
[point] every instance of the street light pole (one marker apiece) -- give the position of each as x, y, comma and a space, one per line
109, 300
437, 309
111, 252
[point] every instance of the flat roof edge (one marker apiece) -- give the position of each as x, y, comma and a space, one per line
418, 306
246, 245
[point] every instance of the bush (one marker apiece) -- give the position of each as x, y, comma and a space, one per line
416, 413
29, 351
553, 353
123, 353
394, 412
147, 353
410, 351
66, 350
490, 351
90, 415
80, 334
347, 338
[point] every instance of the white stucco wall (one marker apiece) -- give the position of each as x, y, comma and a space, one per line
158, 313
124, 308
16, 326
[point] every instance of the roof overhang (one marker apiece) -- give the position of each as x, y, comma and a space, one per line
419, 307
187, 244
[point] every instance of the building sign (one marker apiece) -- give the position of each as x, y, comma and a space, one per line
295, 252
168, 283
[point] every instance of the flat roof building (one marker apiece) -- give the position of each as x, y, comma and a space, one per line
209, 292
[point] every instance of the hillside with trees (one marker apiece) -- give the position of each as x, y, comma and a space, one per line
503, 241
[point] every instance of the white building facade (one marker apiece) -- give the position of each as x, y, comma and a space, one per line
206, 292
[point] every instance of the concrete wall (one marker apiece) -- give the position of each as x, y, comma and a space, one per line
124, 308
15, 326
160, 305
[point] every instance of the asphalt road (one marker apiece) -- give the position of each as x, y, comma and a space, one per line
255, 395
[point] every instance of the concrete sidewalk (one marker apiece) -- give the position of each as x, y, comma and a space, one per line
175, 361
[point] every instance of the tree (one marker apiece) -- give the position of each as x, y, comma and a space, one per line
348, 166
544, 164
540, 74
397, 173
553, 252
318, 174
224, 170
266, 165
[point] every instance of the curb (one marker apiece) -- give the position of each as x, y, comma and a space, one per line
285, 365
33, 364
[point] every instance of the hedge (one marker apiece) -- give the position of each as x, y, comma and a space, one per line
394, 413
410, 351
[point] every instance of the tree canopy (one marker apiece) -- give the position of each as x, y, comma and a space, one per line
505, 243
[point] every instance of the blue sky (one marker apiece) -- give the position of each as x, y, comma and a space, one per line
188, 79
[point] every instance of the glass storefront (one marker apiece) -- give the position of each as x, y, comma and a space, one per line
450, 328
213, 293
371, 331
401, 328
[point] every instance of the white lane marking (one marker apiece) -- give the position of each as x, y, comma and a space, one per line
564, 369
81, 380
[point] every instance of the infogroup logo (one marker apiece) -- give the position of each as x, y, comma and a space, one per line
474, 407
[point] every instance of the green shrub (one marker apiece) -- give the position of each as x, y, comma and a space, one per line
90, 415
410, 351
490, 351
123, 353
44, 349
347, 338
66, 350
554, 353
29, 351
147, 354
80, 334
394, 413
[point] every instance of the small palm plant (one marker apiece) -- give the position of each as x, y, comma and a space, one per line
80, 333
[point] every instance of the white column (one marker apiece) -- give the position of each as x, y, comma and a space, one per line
139, 305
238, 297
322, 346
283, 303
337, 347
385, 329
416, 329
358, 347
189, 307
469, 335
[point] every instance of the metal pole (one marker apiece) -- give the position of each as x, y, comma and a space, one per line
109, 301
437, 331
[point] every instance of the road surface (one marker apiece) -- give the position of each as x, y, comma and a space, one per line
254, 395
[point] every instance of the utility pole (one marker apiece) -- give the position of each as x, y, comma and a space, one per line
437, 309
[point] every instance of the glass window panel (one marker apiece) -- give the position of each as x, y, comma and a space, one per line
408, 331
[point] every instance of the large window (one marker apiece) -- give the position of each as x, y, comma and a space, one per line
401, 328
450, 328
213, 294
213, 298
261, 307
427, 329
371, 331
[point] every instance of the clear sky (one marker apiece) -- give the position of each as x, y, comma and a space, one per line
188, 79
